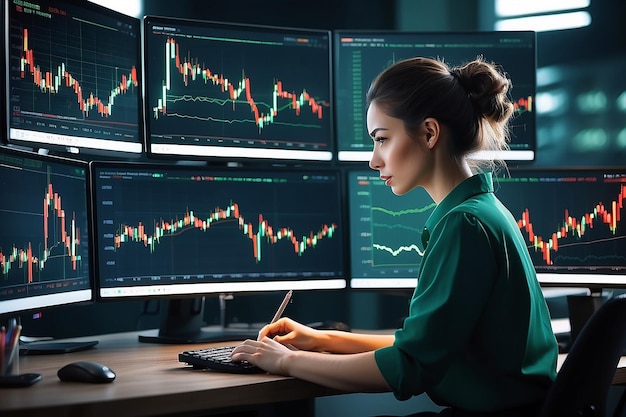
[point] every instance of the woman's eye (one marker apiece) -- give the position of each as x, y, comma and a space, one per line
380, 139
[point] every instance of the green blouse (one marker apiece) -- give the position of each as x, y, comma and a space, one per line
478, 334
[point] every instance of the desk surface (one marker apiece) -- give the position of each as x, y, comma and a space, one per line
150, 381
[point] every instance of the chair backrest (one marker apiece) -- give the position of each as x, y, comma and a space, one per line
582, 384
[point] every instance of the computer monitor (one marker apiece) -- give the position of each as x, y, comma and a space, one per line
361, 55
180, 232
3, 103
385, 246
572, 220
45, 237
73, 78
237, 91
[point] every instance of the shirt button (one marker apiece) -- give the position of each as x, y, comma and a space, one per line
425, 237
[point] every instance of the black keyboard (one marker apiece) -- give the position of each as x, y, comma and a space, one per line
217, 358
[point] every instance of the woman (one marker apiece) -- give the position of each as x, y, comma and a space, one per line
477, 338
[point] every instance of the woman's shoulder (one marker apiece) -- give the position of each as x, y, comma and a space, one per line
485, 209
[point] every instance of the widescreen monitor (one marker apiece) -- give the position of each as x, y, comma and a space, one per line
218, 90
361, 55
385, 244
571, 219
3, 73
573, 223
175, 231
44, 232
73, 73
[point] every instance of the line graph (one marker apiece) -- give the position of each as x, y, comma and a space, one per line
400, 249
385, 229
396, 232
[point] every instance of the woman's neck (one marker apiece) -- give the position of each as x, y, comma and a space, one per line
448, 173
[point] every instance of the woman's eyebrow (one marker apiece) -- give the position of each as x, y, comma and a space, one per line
373, 132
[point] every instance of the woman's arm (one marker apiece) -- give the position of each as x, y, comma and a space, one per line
352, 372
291, 333
335, 341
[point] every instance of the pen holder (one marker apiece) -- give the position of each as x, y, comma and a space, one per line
11, 361
10, 376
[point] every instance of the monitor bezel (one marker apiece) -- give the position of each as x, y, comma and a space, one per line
348, 156
313, 283
48, 301
3, 75
235, 154
71, 144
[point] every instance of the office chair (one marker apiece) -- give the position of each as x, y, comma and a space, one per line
582, 383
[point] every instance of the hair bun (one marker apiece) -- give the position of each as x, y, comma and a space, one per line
488, 88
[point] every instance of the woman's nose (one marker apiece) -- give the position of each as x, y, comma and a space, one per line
374, 161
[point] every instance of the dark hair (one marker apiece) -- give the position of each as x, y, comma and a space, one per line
470, 100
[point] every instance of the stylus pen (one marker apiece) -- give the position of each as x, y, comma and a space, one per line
3, 335
282, 306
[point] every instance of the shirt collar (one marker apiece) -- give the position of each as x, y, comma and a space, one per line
476, 184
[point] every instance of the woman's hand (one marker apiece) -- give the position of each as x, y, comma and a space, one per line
292, 334
267, 354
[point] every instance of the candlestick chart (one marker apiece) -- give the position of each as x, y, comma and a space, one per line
73, 73
51, 82
208, 225
264, 231
43, 236
385, 229
571, 220
237, 87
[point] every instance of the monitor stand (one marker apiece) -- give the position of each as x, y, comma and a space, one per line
183, 322
580, 308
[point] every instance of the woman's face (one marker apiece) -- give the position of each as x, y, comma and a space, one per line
403, 161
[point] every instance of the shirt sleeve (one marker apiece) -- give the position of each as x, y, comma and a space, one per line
455, 280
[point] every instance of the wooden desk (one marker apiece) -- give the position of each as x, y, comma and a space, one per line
150, 381
620, 373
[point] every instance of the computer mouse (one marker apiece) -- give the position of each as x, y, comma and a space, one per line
86, 371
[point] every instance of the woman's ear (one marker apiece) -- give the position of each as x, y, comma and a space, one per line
433, 131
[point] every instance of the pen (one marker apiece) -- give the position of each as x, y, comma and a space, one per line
11, 328
13, 349
3, 333
282, 306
